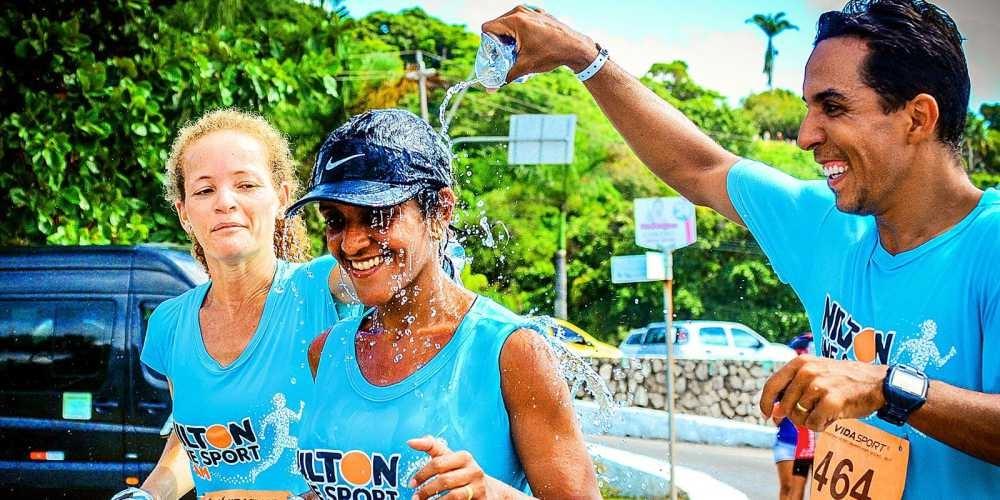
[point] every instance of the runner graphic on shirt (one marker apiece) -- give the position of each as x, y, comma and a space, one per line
281, 418
923, 350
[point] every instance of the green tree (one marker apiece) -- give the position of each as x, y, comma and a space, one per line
981, 151
991, 113
723, 276
778, 112
92, 97
91, 101
772, 25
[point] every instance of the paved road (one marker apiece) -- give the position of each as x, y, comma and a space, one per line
750, 470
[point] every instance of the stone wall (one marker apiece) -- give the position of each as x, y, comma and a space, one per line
713, 388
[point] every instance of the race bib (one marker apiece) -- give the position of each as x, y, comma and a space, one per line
857, 461
246, 495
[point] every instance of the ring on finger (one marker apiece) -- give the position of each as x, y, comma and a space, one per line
798, 406
468, 492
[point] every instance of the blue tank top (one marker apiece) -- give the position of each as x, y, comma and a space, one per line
237, 423
353, 434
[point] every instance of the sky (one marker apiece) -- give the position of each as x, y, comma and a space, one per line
723, 52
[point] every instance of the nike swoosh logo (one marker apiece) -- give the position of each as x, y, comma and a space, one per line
333, 165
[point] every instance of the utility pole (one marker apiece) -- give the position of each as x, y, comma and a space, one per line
561, 306
562, 282
668, 320
421, 77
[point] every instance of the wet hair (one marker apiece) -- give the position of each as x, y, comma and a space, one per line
914, 47
290, 240
429, 201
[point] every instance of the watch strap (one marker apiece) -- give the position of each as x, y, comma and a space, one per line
589, 71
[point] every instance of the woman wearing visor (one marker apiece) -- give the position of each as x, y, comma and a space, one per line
433, 390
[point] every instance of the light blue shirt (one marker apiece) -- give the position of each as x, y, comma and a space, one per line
353, 434
935, 307
237, 423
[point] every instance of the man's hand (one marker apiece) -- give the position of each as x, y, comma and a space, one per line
543, 43
817, 391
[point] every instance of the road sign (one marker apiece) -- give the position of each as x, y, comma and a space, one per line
638, 268
664, 223
541, 139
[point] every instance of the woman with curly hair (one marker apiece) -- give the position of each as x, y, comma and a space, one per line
234, 349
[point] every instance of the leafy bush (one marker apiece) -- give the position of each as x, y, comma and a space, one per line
93, 96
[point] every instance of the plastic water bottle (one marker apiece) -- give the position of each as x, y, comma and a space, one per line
494, 60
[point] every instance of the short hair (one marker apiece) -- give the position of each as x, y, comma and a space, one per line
914, 47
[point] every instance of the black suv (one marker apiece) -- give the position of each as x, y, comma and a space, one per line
78, 411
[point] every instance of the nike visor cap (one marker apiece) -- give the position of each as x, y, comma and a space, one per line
379, 158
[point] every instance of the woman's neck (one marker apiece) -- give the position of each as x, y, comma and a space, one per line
440, 302
235, 284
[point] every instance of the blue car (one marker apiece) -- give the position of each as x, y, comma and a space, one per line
78, 412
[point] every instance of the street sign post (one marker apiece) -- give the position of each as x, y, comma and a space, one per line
666, 224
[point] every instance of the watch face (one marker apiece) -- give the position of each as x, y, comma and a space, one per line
907, 382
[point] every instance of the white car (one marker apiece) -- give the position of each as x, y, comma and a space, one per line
705, 340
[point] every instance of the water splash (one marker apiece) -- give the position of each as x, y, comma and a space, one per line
577, 371
488, 240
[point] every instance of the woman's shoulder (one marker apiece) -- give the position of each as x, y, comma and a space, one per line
319, 267
175, 307
494, 326
311, 278
485, 309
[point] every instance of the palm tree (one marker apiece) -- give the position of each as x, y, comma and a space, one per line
772, 25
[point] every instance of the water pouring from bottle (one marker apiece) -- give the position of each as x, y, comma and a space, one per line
494, 60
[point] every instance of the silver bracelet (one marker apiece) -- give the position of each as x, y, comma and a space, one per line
589, 71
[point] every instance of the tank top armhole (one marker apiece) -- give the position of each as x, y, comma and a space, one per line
344, 328
318, 344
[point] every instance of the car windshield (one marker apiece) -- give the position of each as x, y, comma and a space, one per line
567, 335
655, 335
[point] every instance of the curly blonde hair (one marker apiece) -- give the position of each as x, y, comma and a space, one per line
290, 240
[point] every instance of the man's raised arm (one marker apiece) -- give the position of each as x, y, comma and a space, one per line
664, 139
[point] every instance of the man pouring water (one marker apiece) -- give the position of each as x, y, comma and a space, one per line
892, 256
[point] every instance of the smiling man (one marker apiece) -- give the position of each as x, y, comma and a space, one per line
894, 256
